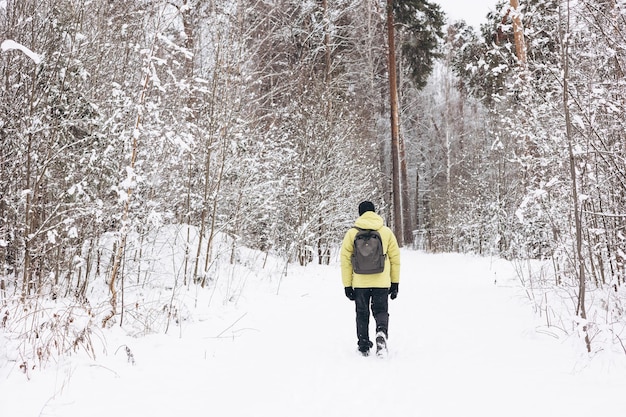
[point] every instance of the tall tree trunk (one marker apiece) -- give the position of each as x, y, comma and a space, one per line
188, 20
327, 57
407, 218
580, 308
209, 145
120, 251
417, 219
518, 32
395, 126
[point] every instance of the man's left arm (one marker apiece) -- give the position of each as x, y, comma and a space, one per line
393, 252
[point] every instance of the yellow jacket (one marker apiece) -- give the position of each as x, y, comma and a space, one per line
371, 220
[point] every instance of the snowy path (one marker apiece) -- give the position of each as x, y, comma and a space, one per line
460, 345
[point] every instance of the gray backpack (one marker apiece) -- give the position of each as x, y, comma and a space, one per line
368, 256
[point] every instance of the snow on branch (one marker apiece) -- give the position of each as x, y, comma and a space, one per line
9, 45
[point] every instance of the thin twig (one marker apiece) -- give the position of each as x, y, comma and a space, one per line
235, 322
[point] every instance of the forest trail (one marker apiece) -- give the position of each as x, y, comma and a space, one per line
463, 342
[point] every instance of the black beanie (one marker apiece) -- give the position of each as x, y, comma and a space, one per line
366, 206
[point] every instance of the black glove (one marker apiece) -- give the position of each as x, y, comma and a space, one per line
349, 293
393, 291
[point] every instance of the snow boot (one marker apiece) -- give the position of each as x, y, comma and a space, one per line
381, 345
364, 347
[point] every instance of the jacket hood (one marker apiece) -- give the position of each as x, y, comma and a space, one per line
369, 220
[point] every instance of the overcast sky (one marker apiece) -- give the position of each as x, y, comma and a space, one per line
472, 11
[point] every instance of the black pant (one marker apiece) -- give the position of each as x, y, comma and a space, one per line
378, 297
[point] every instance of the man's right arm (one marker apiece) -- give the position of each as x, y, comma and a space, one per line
347, 247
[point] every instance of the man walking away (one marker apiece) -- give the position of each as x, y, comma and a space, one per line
370, 271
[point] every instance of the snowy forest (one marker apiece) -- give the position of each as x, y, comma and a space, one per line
261, 124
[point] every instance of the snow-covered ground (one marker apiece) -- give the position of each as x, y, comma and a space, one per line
463, 341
